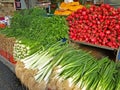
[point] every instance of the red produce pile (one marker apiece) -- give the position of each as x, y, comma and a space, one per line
99, 25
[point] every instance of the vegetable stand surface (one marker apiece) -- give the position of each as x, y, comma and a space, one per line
115, 51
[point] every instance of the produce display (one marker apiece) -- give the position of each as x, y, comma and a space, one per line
61, 67
32, 28
45, 59
99, 25
67, 8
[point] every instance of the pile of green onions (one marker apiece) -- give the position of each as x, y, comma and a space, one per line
44, 61
88, 74
80, 68
20, 50
118, 76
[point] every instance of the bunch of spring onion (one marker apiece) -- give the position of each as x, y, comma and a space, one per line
73, 65
77, 66
107, 76
88, 74
69, 64
44, 61
99, 76
24, 48
81, 69
55, 62
20, 50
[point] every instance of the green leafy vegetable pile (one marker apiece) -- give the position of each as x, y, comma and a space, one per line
35, 29
82, 70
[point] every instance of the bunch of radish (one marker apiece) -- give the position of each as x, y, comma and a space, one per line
99, 25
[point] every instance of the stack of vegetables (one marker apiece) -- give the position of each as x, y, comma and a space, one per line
67, 8
96, 25
32, 28
49, 63
61, 67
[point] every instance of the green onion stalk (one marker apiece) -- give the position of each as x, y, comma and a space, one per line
117, 76
45, 70
118, 84
68, 64
107, 80
45, 60
88, 73
40, 57
75, 66
92, 76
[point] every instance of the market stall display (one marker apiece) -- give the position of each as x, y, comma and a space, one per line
32, 31
46, 60
63, 72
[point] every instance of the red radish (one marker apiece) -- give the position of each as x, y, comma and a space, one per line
96, 25
117, 26
108, 32
119, 38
